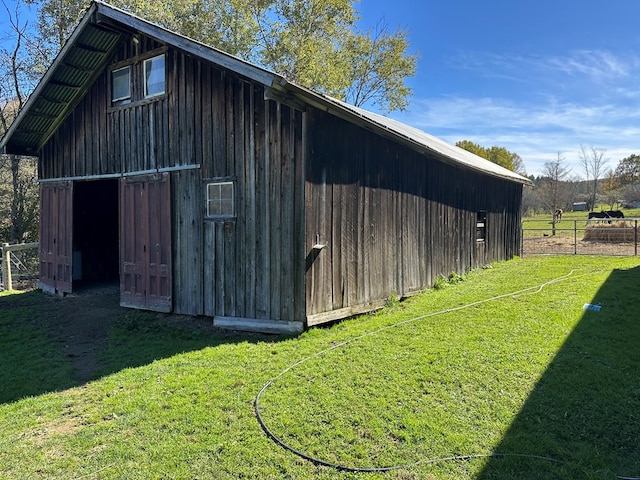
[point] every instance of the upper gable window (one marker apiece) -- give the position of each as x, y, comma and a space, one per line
154, 76
121, 86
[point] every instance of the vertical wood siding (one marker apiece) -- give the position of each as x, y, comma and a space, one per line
394, 219
250, 266
254, 263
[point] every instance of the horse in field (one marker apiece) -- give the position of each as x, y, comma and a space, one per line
601, 214
606, 214
557, 215
615, 213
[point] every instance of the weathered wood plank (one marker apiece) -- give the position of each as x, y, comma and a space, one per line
249, 212
187, 242
299, 250
261, 195
275, 220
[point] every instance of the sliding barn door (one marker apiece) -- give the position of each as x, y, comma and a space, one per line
56, 236
145, 242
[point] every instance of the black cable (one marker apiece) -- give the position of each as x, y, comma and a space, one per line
319, 461
337, 466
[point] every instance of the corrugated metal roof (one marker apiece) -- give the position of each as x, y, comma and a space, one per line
67, 80
93, 42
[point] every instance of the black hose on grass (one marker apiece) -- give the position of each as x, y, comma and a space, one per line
337, 466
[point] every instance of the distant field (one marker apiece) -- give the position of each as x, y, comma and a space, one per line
628, 213
569, 236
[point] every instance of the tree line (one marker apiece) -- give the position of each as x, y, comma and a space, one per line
604, 188
557, 188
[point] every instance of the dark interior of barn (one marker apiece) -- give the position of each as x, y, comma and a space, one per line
95, 232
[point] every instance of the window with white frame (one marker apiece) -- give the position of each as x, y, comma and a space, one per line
121, 85
220, 199
154, 76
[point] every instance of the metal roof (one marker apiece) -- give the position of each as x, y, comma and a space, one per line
93, 43
72, 73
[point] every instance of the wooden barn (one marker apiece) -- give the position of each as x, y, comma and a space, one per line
206, 185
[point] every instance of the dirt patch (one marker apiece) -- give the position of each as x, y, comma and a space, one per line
568, 244
80, 323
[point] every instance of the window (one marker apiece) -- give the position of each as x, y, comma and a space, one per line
220, 201
154, 76
481, 227
121, 86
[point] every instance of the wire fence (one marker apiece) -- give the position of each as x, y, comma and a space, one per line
580, 237
19, 266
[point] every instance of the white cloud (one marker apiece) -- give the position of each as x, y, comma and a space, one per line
585, 97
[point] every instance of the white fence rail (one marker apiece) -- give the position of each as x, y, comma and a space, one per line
16, 260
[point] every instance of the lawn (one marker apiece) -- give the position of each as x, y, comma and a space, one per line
500, 374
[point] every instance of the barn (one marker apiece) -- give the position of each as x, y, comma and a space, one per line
208, 186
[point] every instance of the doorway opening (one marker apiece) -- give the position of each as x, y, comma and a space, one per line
95, 233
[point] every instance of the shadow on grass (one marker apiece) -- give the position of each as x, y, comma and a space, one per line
49, 343
585, 410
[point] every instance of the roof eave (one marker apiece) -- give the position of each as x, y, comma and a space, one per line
47, 77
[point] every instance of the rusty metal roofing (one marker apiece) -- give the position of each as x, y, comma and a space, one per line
93, 43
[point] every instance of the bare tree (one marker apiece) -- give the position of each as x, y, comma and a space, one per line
18, 192
593, 162
551, 189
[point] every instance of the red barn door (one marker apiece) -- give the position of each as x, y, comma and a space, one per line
56, 236
145, 242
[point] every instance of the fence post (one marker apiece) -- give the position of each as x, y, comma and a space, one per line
635, 238
575, 237
6, 267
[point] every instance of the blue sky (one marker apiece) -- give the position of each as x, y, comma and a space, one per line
537, 77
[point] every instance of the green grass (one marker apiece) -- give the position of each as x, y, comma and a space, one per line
529, 373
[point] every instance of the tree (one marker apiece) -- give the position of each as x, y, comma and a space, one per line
18, 190
551, 189
378, 67
593, 162
627, 175
628, 170
611, 188
315, 43
495, 154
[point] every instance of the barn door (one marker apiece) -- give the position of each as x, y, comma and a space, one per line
145, 242
56, 236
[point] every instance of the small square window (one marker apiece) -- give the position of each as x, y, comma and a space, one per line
220, 201
121, 86
154, 77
